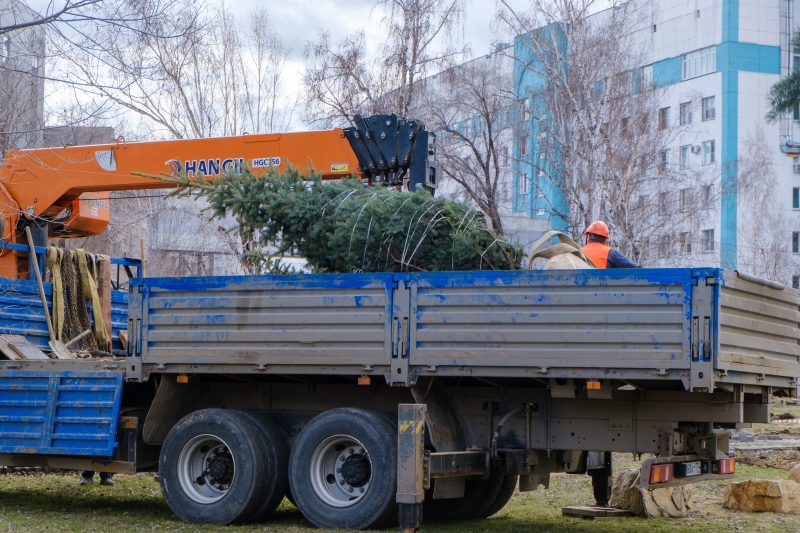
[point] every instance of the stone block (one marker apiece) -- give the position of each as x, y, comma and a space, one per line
781, 496
773, 437
671, 502
794, 474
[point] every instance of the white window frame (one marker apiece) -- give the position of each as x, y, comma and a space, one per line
686, 113
686, 156
663, 118
524, 142
685, 242
699, 63
708, 240
524, 185
5, 49
709, 153
539, 212
647, 74
708, 108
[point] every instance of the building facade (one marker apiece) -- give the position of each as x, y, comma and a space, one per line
716, 61
22, 55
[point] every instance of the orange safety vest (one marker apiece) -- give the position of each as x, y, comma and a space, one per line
598, 253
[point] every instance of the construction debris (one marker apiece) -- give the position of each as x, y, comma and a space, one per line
760, 495
667, 502
596, 513
17, 347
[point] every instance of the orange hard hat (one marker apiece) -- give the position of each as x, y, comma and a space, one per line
598, 227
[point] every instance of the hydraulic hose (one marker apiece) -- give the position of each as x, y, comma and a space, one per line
500, 427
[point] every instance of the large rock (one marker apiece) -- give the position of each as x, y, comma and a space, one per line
794, 474
673, 502
782, 496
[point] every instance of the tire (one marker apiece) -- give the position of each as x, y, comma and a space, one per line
273, 443
504, 495
329, 497
230, 443
482, 498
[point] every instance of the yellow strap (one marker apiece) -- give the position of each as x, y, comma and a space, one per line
90, 294
54, 264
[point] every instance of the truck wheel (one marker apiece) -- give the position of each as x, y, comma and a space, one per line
504, 495
213, 467
273, 443
343, 471
482, 498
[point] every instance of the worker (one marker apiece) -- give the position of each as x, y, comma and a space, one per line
87, 478
603, 256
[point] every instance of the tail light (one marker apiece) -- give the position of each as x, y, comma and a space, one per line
726, 466
661, 473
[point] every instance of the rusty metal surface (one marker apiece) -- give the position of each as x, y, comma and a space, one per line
62, 413
410, 453
456, 464
758, 329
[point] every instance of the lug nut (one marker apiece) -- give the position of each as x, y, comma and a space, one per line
352, 451
361, 490
338, 470
349, 489
341, 482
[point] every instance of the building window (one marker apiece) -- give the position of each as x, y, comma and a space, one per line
708, 193
647, 74
523, 146
708, 240
539, 193
796, 242
698, 63
525, 108
686, 152
796, 198
708, 153
663, 118
539, 212
686, 113
664, 161
663, 201
524, 183
685, 242
663, 246
685, 199
796, 282
5, 49
624, 125
709, 111
540, 164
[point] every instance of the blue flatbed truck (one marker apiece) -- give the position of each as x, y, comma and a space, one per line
372, 398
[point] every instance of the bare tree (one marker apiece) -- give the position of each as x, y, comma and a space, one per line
198, 82
467, 105
340, 81
603, 141
762, 229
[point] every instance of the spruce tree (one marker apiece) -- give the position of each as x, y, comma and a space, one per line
345, 226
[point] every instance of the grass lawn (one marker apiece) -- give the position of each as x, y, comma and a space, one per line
55, 502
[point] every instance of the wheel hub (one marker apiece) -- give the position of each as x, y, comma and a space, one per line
206, 469
341, 471
356, 470
220, 468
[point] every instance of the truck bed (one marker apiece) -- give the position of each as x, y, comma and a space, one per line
688, 329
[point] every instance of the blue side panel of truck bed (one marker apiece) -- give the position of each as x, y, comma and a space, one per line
59, 413
21, 311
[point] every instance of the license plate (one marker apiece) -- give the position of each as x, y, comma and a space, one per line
692, 469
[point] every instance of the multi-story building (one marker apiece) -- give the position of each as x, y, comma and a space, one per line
716, 61
21, 77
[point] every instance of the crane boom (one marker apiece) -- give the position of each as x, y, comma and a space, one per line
47, 188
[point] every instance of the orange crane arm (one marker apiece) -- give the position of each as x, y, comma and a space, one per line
38, 185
